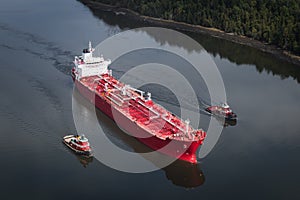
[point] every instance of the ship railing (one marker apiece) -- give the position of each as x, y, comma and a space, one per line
154, 117
97, 80
189, 132
136, 90
112, 94
172, 123
126, 91
102, 78
116, 88
113, 100
143, 112
106, 79
123, 98
80, 146
123, 92
118, 96
99, 83
165, 115
151, 109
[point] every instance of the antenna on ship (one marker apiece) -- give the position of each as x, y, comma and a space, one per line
124, 90
148, 98
90, 46
187, 123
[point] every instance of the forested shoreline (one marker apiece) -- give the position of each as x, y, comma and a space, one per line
275, 22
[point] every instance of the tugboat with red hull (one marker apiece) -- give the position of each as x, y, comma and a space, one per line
222, 111
134, 111
79, 144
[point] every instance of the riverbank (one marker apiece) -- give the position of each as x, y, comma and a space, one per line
271, 49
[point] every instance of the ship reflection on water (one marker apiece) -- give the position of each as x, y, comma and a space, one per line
221, 120
180, 173
184, 174
228, 122
84, 160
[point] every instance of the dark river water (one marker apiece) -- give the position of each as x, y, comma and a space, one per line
256, 158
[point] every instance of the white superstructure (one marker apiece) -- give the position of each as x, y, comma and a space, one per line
87, 65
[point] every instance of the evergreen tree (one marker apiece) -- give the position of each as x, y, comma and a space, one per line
271, 21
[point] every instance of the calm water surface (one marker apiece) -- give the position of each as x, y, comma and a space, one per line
256, 158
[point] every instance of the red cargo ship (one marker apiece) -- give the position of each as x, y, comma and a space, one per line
133, 110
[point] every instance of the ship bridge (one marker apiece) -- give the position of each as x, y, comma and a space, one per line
88, 65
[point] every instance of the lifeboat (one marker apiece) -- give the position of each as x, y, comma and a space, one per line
222, 111
79, 144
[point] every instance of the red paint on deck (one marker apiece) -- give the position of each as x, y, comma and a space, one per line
150, 123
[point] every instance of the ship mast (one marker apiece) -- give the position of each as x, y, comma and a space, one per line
90, 46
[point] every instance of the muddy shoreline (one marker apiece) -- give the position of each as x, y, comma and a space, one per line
271, 49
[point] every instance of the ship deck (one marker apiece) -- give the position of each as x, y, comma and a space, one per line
147, 114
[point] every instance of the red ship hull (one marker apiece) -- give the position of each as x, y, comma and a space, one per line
181, 150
